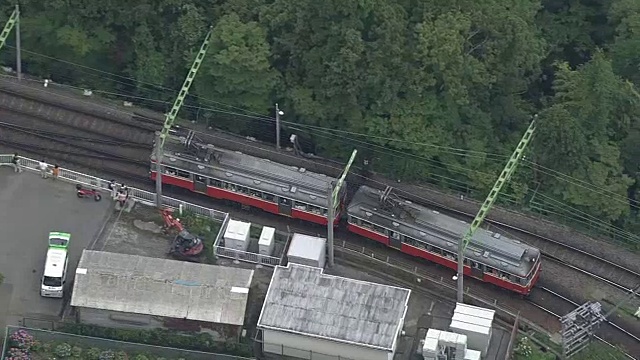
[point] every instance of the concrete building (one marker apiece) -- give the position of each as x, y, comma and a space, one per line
129, 291
307, 250
310, 315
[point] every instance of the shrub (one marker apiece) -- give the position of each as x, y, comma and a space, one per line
142, 357
17, 354
107, 355
76, 352
21, 339
92, 354
63, 350
160, 337
121, 355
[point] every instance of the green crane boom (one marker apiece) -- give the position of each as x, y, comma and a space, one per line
13, 19
171, 116
504, 177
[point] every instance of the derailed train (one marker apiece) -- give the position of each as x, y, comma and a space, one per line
377, 215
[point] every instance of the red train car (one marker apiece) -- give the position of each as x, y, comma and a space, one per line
425, 233
260, 183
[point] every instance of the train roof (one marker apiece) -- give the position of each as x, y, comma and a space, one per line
443, 231
246, 170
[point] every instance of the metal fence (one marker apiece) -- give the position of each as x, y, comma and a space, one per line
246, 256
86, 342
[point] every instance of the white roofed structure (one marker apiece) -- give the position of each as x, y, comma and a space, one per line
131, 284
307, 311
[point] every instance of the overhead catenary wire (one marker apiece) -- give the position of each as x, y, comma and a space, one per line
427, 201
445, 149
315, 129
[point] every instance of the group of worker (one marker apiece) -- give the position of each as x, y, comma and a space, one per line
44, 168
119, 192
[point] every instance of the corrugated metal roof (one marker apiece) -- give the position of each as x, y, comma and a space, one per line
304, 300
161, 287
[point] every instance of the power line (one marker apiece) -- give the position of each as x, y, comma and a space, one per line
154, 85
446, 149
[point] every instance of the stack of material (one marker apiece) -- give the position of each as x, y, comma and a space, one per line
307, 250
440, 344
236, 235
266, 243
474, 322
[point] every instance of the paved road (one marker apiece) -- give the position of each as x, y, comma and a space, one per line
30, 207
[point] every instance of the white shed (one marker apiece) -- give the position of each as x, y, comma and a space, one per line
307, 250
266, 241
310, 315
236, 235
476, 323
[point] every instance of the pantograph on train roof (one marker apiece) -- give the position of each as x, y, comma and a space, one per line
246, 170
417, 221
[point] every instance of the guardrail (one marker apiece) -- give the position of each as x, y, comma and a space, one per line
149, 198
139, 195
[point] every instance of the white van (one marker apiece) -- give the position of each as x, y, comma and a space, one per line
55, 267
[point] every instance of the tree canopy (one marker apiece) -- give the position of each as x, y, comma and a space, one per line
433, 91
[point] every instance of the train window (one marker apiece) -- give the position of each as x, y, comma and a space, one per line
255, 193
314, 209
379, 229
201, 179
170, 171
300, 205
215, 182
413, 242
285, 201
269, 197
184, 174
395, 235
491, 270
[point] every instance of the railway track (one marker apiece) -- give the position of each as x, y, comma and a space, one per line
120, 146
116, 147
561, 305
595, 266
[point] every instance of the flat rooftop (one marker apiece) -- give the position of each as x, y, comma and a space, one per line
305, 301
161, 287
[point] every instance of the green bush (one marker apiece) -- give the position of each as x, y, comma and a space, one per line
76, 352
160, 337
107, 355
92, 354
142, 357
62, 350
121, 355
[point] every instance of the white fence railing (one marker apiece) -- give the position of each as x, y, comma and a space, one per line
149, 198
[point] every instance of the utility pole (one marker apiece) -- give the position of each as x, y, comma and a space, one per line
18, 45
332, 201
504, 177
278, 114
171, 116
330, 216
8, 27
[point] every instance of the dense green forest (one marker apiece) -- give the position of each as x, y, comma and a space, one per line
430, 90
